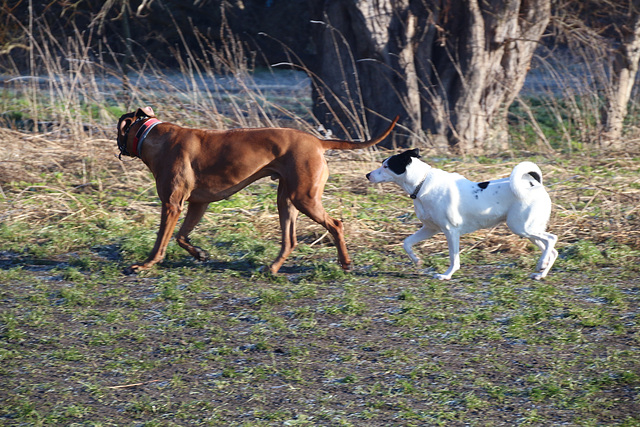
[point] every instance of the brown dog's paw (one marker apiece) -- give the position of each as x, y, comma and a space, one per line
134, 269
347, 267
271, 270
200, 254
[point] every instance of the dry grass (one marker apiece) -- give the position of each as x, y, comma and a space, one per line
595, 197
222, 344
218, 343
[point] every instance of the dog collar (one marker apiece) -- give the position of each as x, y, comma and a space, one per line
141, 135
419, 187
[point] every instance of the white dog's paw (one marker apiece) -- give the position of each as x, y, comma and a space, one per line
441, 276
537, 276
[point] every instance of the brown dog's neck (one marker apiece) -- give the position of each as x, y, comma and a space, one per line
141, 134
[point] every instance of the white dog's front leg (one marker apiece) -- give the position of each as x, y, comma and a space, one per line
420, 235
453, 241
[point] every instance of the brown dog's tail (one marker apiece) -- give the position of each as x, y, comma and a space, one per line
334, 144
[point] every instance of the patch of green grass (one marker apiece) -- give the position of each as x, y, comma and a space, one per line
563, 122
223, 343
583, 252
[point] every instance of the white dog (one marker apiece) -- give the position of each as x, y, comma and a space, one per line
450, 203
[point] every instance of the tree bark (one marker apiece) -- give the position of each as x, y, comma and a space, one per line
623, 70
450, 68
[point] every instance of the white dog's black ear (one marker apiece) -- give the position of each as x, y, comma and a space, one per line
415, 153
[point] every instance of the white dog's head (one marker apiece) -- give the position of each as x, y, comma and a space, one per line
394, 167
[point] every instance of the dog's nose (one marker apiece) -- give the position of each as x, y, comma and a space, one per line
368, 175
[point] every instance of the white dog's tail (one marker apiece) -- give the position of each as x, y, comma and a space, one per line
525, 178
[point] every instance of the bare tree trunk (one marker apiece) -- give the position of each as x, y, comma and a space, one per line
364, 66
624, 68
450, 68
502, 37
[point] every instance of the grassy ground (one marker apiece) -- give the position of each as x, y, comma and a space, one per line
220, 343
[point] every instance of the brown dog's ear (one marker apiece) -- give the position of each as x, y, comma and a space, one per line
145, 111
123, 125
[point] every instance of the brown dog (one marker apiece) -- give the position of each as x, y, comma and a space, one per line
203, 166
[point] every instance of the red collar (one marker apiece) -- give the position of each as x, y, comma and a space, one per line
141, 135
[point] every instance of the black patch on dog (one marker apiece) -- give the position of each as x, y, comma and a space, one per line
398, 163
483, 185
535, 176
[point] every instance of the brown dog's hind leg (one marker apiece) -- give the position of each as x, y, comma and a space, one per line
195, 211
288, 216
168, 220
314, 210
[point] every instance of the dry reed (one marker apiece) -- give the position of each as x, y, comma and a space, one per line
80, 95
598, 206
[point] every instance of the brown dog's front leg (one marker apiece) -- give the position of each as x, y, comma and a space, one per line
288, 215
195, 211
168, 220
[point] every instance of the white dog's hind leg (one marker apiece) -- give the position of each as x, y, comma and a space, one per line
420, 235
548, 256
453, 241
546, 242
535, 231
